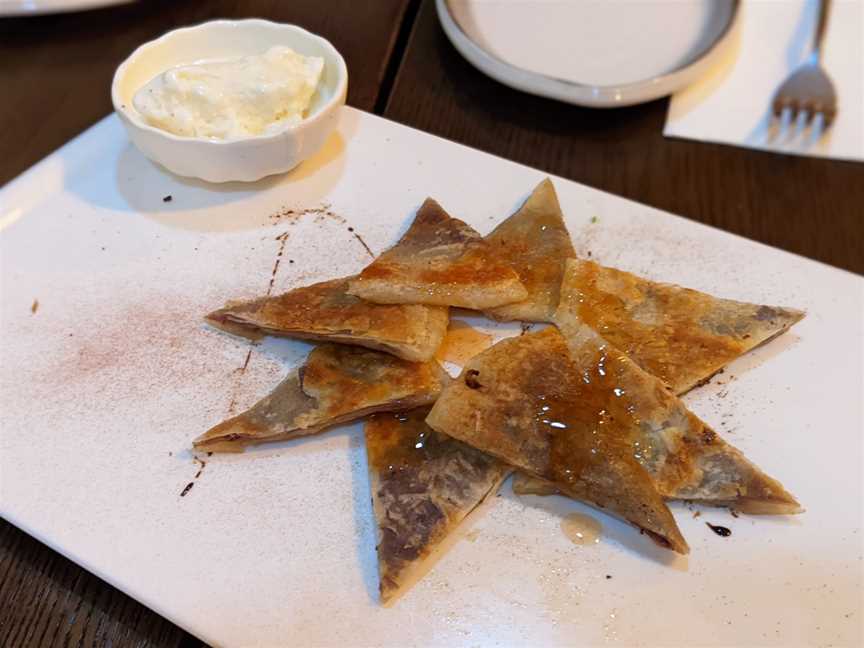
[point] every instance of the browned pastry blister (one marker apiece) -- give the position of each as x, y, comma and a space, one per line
439, 261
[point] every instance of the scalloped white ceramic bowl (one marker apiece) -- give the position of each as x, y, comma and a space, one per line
242, 158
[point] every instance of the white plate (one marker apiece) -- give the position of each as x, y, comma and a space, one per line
597, 53
35, 7
103, 388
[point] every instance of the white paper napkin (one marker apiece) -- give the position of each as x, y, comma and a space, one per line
772, 38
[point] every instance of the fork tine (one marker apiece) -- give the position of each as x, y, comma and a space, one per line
779, 104
825, 111
801, 120
819, 124
784, 113
820, 120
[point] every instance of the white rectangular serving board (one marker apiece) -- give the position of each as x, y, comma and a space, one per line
105, 384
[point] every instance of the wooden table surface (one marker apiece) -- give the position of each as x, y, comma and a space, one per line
57, 71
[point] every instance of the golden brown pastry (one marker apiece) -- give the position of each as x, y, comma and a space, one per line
326, 312
580, 414
682, 336
686, 458
678, 334
439, 261
535, 242
336, 385
526, 401
423, 485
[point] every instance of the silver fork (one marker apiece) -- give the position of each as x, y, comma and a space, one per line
809, 91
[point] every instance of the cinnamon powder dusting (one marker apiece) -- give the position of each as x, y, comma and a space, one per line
135, 343
150, 349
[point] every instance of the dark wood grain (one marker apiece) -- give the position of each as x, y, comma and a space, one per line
49, 601
809, 206
56, 71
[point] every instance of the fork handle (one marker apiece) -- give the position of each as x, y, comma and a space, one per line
821, 27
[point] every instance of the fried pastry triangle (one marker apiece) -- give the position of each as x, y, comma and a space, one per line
685, 458
326, 312
680, 335
535, 242
336, 385
527, 402
423, 485
439, 261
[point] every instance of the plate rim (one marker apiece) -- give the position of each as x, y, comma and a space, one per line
588, 95
23, 8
